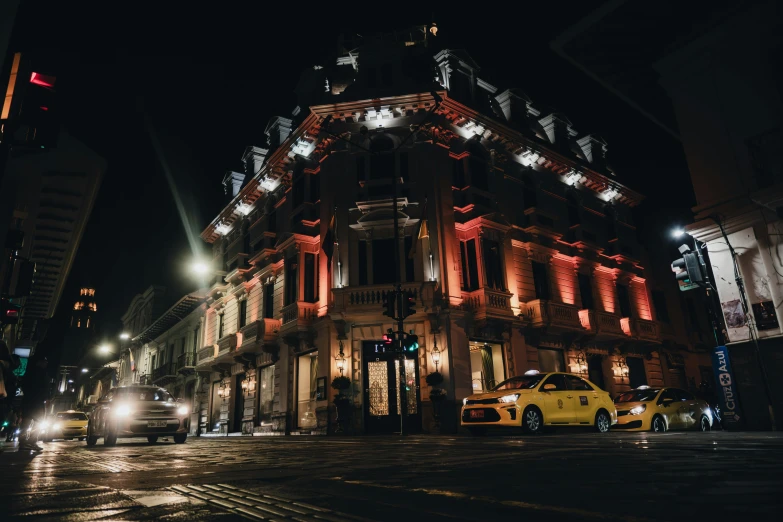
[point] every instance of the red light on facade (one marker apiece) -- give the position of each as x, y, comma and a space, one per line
12, 313
44, 108
43, 80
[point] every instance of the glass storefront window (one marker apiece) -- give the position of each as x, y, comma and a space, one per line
306, 390
551, 360
486, 365
266, 394
214, 410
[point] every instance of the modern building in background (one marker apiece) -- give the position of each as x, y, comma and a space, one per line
717, 72
516, 243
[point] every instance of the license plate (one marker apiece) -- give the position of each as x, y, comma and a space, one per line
156, 424
476, 414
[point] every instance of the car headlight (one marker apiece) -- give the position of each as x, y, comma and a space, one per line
57, 426
465, 401
182, 410
509, 398
638, 410
123, 410
45, 425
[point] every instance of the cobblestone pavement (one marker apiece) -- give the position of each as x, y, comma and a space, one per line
563, 476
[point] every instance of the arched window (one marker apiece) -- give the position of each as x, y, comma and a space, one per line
574, 209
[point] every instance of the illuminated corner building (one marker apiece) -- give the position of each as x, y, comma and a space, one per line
683, 80
46, 194
528, 259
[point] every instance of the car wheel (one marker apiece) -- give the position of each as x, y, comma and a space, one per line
532, 421
658, 424
109, 437
704, 423
81, 438
477, 432
152, 439
602, 422
92, 441
180, 438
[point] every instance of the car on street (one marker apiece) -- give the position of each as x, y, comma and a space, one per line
662, 409
535, 400
64, 425
138, 411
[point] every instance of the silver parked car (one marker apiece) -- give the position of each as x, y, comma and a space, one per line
138, 411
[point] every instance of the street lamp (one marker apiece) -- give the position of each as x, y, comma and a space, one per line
435, 353
677, 233
104, 349
200, 268
124, 336
339, 359
85, 370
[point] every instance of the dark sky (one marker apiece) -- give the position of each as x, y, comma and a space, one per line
211, 76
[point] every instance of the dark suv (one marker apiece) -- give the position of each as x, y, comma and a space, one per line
138, 411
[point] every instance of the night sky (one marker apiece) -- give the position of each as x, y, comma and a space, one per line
209, 77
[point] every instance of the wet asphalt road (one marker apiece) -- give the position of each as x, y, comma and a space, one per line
562, 476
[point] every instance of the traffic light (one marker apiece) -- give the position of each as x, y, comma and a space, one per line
388, 337
38, 124
408, 301
9, 312
689, 271
389, 305
411, 342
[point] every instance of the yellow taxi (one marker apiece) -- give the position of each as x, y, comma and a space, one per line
661, 409
535, 400
65, 425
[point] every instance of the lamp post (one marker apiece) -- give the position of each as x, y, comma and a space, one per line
435, 352
339, 359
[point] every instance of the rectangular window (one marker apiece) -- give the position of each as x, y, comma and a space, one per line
625, 300
493, 264
540, 280
361, 169
310, 281
404, 166
196, 341
551, 360
410, 276
246, 246
266, 394
363, 262
271, 222
181, 347
383, 270
220, 326
291, 281
297, 192
457, 174
242, 313
269, 301
306, 390
659, 302
315, 188
636, 374
486, 366
381, 166
470, 265
387, 74
586, 291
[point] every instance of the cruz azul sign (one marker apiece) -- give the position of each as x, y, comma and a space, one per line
726, 387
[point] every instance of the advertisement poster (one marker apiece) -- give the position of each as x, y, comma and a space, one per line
726, 389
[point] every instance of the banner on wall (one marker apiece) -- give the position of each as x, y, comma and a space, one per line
726, 389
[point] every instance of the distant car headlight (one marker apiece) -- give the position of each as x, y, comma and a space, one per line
123, 410
638, 410
509, 398
45, 425
182, 410
57, 426
465, 401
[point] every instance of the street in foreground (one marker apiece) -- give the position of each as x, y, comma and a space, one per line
563, 476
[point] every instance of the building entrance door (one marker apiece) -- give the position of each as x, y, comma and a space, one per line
382, 397
595, 370
239, 404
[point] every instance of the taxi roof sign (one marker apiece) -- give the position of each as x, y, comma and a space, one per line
532, 372
643, 387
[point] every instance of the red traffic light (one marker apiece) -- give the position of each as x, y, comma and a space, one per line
43, 80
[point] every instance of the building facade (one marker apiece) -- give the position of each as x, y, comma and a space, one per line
515, 241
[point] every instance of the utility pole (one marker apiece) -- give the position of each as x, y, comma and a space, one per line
398, 308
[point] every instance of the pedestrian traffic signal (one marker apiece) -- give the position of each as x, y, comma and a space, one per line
411, 342
689, 271
408, 302
9, 312
389, 304
388, 337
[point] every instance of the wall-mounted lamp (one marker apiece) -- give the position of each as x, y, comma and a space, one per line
435, 352
581, 362
339, 359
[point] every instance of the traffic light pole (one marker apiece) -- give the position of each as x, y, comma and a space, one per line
398, 308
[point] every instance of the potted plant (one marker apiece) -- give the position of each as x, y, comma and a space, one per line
342, 402
434, 379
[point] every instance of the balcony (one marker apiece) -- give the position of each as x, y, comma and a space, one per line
164, 374
554, 316
368, 299
603, 325
487, 303
258, 334
641, 329
226, 346
186, 363
539, 224
205, 357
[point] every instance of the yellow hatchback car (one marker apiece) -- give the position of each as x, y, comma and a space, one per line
65, 425
661, 409
535, 400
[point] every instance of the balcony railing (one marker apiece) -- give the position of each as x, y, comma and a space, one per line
601, 324
206, 354
542, 313
186, 360
262, 331
301, 312
370, 298
163, 373
227, 344
641, 329
486, 301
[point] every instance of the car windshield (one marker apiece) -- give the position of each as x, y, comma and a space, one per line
76, 416
143, 394
525, 382
637, 395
